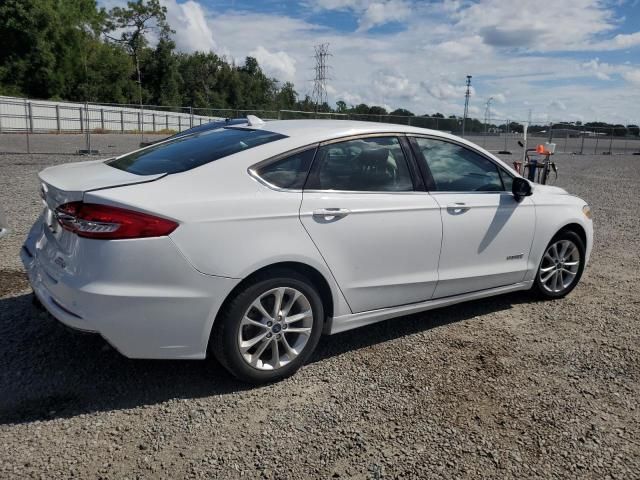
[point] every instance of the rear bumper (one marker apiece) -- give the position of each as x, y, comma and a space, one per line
142, 296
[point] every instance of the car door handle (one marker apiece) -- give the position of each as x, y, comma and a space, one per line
457, 208
331, 212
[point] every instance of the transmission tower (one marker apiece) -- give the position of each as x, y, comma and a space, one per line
466, 103
319, 95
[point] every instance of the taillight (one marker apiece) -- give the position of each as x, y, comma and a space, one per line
92, 220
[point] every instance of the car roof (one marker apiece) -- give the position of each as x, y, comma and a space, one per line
311, 131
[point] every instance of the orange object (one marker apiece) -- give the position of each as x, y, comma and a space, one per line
540, 149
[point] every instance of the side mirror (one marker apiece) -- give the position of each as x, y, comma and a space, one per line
521, 188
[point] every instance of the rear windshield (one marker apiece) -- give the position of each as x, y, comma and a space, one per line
191, 151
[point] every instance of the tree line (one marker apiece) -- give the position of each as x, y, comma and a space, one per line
73, 50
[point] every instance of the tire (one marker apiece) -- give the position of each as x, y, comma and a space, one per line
558, 274
241, 321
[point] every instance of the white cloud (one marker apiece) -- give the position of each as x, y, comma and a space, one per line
379, 13
388, 84
632, 76
278, 64
619, 42
558, 105
544, 26
190, 23
443, 90
370, 13
598, 69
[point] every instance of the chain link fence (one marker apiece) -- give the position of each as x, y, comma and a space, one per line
47, 127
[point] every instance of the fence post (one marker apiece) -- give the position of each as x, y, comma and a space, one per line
30, 117
153, 116
81, 120
582, 142
611, 143
102, 118
139, 122
190, 117
179, 123
166, 121
58, 118
506, 136
550, 132
88, 129
121, 121
27, 122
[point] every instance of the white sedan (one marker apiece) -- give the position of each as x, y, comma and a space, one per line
250, 241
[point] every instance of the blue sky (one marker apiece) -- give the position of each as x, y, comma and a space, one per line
562, 59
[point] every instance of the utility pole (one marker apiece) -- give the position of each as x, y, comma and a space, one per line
319, 95
466, 103
487, 114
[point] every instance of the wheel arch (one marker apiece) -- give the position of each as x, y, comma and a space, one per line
314, 275
577, 229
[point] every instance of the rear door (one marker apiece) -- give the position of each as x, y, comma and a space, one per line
378, 230
487, 234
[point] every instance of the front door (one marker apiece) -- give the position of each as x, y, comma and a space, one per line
379, 236
487, 234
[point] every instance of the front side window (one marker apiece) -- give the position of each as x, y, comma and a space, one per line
457, 169
365, 165
289, 172
191, 151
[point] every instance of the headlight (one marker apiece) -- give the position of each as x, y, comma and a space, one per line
587, 212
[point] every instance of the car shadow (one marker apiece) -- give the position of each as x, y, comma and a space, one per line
48, 371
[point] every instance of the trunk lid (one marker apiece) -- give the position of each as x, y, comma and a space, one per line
68, 182
55, 248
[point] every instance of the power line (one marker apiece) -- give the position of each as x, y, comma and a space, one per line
319, 95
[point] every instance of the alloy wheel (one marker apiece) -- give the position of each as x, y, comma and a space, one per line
275, 328
560, 265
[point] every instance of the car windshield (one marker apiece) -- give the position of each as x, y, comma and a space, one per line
191, 151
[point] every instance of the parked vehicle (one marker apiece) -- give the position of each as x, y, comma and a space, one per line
4, 226
227, 122
250, 241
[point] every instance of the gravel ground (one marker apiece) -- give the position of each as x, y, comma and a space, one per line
507, 387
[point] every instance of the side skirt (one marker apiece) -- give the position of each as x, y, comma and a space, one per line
355, 320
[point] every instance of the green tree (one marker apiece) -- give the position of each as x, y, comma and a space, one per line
377, 110
402, 112
43, 45
286, 97
341, 106
163, 79
134, 23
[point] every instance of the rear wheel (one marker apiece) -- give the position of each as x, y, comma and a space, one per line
270, 328
561, 266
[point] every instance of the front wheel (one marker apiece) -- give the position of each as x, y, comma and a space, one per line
561, 266
270, 328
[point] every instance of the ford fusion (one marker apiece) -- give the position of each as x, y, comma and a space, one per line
250, 241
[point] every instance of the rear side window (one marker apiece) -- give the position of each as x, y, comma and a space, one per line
364, 165
289, 172
192, 151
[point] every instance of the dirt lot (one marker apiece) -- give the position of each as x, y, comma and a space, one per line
500, 388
